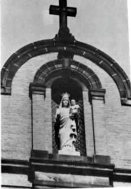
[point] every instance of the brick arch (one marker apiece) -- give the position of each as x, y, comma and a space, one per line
76, 48
68, 68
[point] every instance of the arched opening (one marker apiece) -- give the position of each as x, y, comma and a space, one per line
72, 87
61, 86
75, 79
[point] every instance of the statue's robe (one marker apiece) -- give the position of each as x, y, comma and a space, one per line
67, 129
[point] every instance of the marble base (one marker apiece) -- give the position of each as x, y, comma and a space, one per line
65, 152
70, 180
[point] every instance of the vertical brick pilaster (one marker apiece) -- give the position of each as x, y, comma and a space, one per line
88, 125
38, 122
97, 99
48, 121
37, 95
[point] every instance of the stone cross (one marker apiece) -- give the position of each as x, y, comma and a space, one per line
63, 11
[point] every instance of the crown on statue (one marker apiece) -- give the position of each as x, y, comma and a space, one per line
65, 96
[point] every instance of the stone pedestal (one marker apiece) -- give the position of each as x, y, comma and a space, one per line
67, 152
60, 171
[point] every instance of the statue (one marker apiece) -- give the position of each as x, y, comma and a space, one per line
74, 112
67, 125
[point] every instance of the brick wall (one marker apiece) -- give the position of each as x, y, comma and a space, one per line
16, 126
16, 116
16, 112
117, 119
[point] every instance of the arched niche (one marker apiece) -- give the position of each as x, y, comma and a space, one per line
70, 76
74, 89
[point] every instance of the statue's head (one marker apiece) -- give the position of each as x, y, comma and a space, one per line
65, 100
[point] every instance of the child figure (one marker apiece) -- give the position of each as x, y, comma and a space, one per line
74, 111
74, 108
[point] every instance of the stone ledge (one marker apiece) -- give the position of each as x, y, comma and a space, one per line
97, 94
126, 102
43, 163
36, 88
37, 155
5, 90
90, 182
16, 166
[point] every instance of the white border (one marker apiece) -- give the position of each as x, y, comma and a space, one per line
129, 31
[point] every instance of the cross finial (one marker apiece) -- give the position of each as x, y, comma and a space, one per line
63, 11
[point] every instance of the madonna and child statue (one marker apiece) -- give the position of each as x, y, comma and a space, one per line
67, 122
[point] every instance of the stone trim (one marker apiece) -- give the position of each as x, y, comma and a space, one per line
97, 166
97, 94
22, 167
122, 175
14, 186
74, 68
36, 88
77, 48
15, 166
125, 102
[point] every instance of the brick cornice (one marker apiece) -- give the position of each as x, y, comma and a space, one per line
36, 88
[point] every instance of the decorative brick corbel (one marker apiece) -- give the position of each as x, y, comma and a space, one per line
36, 88
97, 94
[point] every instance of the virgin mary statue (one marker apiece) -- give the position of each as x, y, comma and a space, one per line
67, 127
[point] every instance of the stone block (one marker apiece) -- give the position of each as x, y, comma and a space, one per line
100, 159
